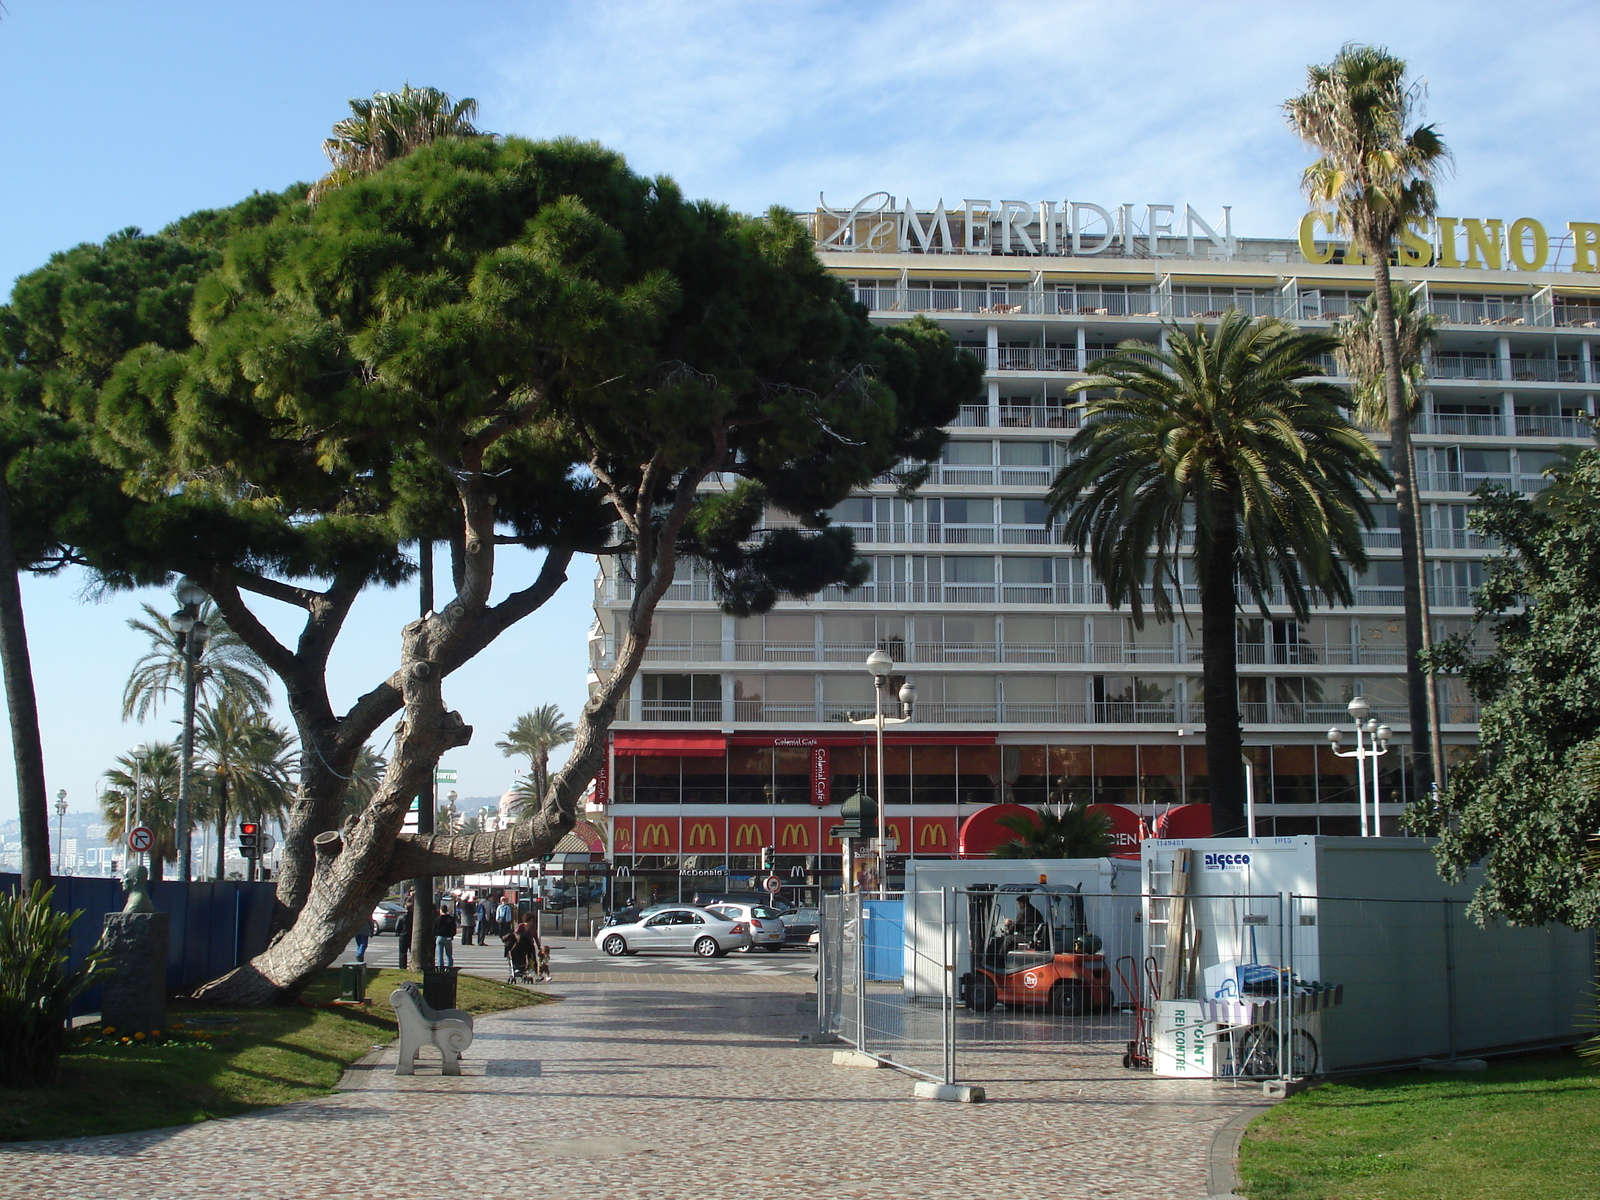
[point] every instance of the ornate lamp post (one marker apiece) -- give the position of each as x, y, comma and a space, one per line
61, 813
879, 665
192, 635
1372, 743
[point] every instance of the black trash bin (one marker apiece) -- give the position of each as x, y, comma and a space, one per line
353, 982
439, 986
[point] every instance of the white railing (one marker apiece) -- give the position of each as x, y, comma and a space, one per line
1461, 424
1018, 416
1455, 311
1544, 425
1036, 358
680, 710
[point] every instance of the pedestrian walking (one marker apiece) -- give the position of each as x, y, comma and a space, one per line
502, 917
483, 921
444, 933
362, 939
403, 928
464, 921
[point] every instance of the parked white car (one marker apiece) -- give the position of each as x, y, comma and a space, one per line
679, 929
767, 929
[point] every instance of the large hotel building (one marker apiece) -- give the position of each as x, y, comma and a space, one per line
1031, 689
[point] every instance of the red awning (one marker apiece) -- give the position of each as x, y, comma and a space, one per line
672, 745
854, 739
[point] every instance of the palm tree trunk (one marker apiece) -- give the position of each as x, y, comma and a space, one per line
1410, 545
1218, 657
1435, 720
22, 706
222, 826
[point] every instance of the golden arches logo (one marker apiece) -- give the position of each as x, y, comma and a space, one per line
795, 835
655, 834
932, 835
702, 833
748, 834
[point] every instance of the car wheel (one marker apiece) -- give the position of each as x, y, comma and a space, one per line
707, 947
1069, 998
615, 945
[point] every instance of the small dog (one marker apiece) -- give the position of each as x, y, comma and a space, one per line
542, 963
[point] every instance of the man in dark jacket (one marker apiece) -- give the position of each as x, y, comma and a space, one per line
403, 928
444, 935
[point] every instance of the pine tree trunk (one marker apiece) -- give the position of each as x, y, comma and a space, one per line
1410, 547
22, 706
1220, 689
354, 870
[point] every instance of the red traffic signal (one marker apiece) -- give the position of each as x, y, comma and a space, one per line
249, 839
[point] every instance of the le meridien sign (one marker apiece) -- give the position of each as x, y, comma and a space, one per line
879, 224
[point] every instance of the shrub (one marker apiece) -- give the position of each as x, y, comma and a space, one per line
37, 986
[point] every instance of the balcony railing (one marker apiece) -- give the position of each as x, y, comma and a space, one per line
1544, 425
1018, 416
1036, 358
1488, 424
1465, 366
1508, 311
680, 710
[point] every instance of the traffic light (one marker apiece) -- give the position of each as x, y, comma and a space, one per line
249, 839
768, 857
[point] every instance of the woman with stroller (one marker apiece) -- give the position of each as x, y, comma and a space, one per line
527, 952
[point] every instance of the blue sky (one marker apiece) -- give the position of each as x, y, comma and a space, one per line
120, 114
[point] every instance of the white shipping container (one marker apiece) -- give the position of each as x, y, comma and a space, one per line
1420, 979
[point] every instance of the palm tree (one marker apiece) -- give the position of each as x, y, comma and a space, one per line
1074, 832
1361, 355
1374, 177
144, 784
536, 734
228, 667
1232, 431
365, 776
247, 760
390, 126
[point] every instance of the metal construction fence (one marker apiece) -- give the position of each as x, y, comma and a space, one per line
1019, 981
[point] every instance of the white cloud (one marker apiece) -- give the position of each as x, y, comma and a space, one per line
1133, 101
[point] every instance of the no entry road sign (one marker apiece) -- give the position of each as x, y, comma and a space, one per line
141, 838
773, 884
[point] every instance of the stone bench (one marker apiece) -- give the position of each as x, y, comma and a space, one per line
420, 1025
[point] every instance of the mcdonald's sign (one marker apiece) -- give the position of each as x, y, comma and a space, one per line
750, 834
657, 837
702, 835
934, 835
622, 835
797, 837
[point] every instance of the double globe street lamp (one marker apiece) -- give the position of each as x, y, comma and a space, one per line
879, 665
192, 635
1372, 743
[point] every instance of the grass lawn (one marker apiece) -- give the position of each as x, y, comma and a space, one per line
221, 1061
1525, 1128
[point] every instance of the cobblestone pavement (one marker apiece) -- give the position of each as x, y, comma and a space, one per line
672, 1086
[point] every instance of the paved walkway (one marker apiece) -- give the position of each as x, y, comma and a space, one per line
689, 1089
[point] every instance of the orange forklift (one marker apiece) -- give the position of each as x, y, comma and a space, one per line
1031, 948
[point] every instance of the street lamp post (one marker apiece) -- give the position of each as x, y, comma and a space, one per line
61, 814
880, 664
1367, 727
192, 634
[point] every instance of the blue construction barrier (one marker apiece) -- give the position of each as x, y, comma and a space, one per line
212, 927
883, 923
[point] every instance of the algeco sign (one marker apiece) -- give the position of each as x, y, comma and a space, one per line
1466, 242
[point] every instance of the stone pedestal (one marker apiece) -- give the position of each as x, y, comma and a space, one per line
135, 993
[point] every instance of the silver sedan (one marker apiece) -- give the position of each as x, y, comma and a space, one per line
677, 929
